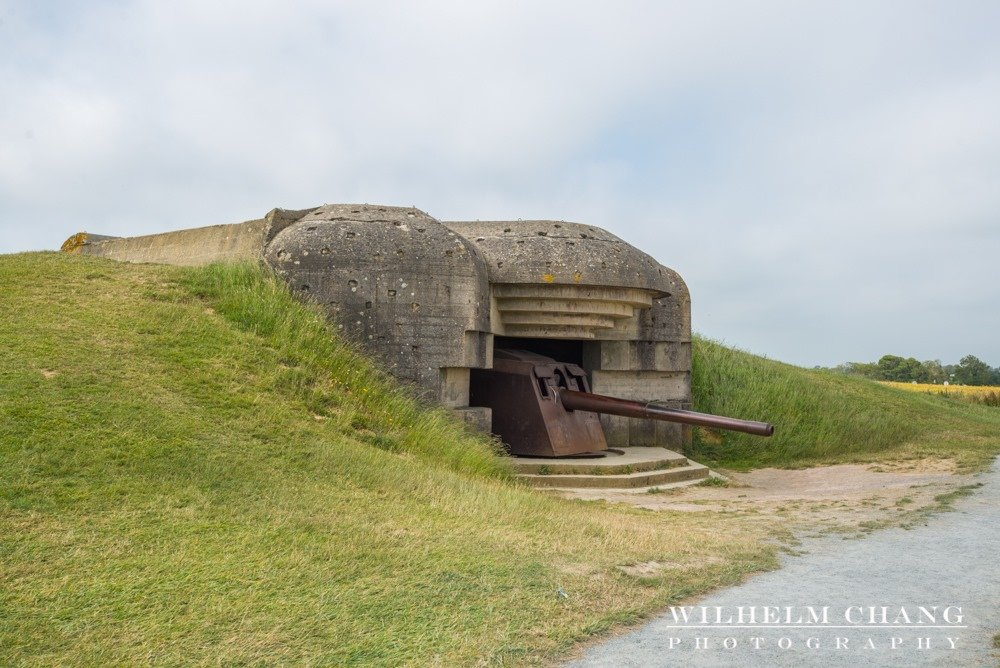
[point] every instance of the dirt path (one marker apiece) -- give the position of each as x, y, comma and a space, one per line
943, 561
846, 498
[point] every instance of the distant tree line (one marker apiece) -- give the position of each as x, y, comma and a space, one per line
969, 371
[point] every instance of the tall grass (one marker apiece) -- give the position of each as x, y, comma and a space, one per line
193, 472
333, 379
821, 417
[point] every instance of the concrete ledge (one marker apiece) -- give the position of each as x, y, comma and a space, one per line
692, 471
630, 460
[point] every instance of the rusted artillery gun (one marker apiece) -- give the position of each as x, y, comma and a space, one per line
544, 408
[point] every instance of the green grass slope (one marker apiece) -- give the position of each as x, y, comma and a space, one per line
823, 418
193, 471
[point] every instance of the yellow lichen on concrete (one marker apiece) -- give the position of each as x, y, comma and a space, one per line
72, 244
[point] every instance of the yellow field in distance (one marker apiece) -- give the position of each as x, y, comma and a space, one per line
965, 390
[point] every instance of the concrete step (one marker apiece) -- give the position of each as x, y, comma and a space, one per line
691, 472
618, 461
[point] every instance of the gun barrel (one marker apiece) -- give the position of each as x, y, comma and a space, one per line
598, 403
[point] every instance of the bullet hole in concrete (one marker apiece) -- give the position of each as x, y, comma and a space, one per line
392, 293
325, 250
558, 226
421, 229
548, 264
305, 287
400, 252
351, 235
570, 243
543, 234
414, 306
449, 253
520, 241
355, 210
506, 230
500, 264
281, 254
582, 235
604, 265
480, 238
414, 348
311, 229
397, 223
353, 285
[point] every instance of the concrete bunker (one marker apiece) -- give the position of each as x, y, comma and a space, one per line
434, 300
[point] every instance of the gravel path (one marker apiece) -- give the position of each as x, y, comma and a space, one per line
952, 561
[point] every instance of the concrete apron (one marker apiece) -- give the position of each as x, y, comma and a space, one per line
628, 469
951, 562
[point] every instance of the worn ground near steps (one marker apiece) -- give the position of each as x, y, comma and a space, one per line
844, 499
919, 558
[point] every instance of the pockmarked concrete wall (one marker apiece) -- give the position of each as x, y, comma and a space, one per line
427, 298
401, 284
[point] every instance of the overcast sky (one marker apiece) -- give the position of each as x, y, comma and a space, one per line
825, 176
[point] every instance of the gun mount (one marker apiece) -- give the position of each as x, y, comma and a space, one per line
544, 408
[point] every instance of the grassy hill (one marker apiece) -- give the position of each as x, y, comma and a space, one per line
826, 418
193, 471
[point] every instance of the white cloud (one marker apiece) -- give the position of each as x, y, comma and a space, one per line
808, 167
